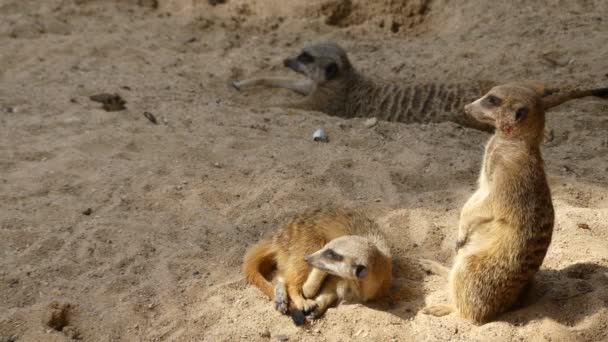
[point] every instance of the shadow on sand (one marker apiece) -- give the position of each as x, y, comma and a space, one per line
566, 296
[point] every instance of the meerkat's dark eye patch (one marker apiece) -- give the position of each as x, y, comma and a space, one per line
330, 254
521, 114
491, 101
360, 271
331, 71
305, 58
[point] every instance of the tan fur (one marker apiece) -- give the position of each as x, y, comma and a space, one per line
307, 236
347, 93
506, 226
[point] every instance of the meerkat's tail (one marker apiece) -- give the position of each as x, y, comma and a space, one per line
600, 92
259, 261
559, 97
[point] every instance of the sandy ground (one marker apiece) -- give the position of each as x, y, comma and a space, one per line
175, 205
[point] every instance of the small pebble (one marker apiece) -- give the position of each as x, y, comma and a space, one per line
265, 333
320, 135
583, 226
371, 122
282, 337
87, 212
151, 117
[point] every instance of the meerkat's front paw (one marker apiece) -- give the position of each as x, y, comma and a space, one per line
438, 310
433, 267
310, 290
300, 312
460, 243
317, 312
309, 307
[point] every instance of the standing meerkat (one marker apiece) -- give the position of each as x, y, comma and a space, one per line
506, 226
321, 256
334, 86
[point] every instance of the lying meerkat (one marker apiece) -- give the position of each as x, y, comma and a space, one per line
335, 87
343, 244
506, 226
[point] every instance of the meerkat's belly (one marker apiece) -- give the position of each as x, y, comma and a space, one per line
476, 201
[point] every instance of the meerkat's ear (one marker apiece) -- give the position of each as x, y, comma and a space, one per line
331, 71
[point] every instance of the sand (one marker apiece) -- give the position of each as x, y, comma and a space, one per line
174, 205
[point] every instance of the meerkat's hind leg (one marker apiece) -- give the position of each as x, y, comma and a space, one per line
313, 283
438, 310
281, 299
302, 87
434, 267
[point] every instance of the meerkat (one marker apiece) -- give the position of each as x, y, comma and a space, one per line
321, 257
334, 86
506, 226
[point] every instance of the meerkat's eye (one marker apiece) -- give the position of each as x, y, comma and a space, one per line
331, 71
521, 114
360, 271
305, 58
330, 254
492, 101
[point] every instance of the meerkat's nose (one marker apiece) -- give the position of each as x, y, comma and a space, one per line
467, 108
307, 259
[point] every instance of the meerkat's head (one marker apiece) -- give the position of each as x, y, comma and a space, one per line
321, 62
515, 110
349, 257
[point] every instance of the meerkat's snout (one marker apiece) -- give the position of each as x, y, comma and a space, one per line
315, 260
467, 109
329, 261
293, 64
480, 109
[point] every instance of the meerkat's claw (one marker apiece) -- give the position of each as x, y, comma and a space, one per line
281, 307
309, 307
438, 310
236, 85
461, 243
316, 313
433, 267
